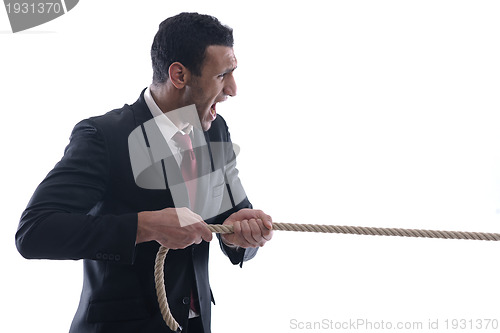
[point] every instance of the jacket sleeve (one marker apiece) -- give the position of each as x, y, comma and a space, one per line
58, 222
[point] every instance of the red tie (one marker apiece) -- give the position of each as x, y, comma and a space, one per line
189, 172
188, 165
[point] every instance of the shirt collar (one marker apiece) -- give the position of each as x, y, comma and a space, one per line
164, 122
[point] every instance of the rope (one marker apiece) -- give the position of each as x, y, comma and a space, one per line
160, 290
223, 229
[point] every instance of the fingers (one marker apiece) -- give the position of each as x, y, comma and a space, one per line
266, 219
251, 233
179, 228
187, 217
206, 234
200, 230
251, 228
186, 236
196, 233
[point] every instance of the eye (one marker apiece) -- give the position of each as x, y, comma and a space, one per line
221, 76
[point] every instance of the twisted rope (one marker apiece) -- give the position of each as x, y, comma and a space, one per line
223, 229
160, 290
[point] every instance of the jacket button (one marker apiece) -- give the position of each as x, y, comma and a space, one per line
117, 257
98, 255
186, 300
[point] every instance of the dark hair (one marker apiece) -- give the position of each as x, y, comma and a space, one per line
184, 38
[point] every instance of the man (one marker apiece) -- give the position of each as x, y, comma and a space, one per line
125, 185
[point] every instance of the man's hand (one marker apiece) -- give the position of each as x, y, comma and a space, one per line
174, 228
251, 228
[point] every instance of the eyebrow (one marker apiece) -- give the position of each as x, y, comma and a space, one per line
229, 70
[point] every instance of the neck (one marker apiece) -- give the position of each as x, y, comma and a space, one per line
169, 98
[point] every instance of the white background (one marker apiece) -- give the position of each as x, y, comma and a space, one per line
370, 113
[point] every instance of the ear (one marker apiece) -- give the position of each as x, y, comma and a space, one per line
178, 74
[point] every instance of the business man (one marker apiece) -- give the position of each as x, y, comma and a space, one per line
154, 172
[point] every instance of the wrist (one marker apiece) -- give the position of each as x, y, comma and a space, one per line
143, 219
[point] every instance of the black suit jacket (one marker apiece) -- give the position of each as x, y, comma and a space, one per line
86, 208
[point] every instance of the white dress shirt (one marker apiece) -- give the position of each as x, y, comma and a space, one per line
166, 125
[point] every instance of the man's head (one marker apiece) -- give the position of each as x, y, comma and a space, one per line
193, 63
184, 38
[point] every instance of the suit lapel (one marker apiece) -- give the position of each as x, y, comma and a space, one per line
162, 171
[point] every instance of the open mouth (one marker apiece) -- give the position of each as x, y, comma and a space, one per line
213, 111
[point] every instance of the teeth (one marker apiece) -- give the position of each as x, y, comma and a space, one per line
213, 112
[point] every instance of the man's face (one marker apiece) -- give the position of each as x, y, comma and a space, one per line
215, 84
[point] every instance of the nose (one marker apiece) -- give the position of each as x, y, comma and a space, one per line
230, 87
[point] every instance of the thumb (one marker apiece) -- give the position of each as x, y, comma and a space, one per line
206, 234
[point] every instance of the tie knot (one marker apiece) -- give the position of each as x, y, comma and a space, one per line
183, 140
